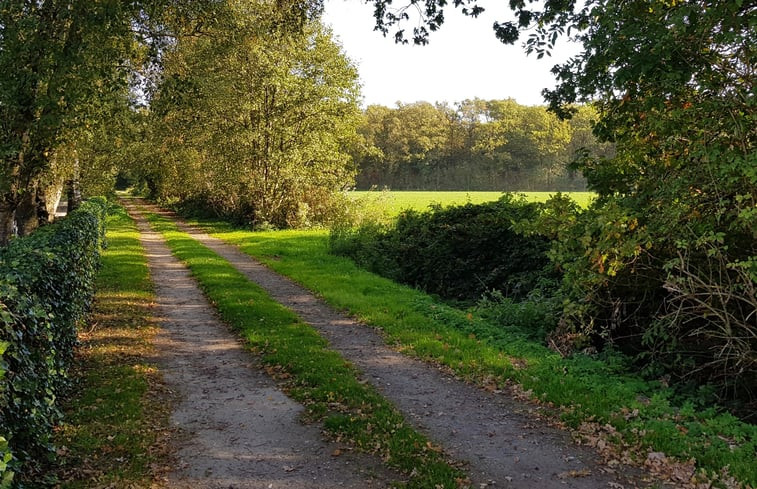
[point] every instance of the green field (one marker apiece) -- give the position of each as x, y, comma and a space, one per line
396, 201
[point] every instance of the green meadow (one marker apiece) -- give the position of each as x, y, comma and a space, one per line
396, 201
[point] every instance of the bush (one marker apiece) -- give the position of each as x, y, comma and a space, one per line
457, 252
46, 287
669, 291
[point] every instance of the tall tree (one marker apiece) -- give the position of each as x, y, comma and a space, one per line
62, 61
52, 56
252, 118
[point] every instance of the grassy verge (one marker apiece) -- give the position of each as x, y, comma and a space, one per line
320, 379
116, 411
623, 415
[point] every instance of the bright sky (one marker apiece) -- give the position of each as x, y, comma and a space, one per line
462, 61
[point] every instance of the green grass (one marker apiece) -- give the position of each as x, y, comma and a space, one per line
583, 389
320, 379
114, 416
396, 201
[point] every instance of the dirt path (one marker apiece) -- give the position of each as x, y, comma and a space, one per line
503, 445
236, 429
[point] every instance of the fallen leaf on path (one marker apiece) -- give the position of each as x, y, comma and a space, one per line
575, 473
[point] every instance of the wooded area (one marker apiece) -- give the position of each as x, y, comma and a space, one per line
472, 145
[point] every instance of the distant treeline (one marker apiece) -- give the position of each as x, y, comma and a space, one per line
472, 145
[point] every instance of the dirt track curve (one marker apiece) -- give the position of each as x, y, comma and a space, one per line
502, 445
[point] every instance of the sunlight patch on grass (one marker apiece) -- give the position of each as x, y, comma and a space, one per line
117, 411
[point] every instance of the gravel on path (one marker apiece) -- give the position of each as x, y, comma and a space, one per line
236, 429
503, 445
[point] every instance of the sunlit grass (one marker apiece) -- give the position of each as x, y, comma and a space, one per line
114, 415
396, 201
582, 389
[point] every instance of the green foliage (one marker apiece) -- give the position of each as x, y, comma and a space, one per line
458, 252
6, 474
473, 145
318, 378
46, 286
252, 126
683, 306
535, 316
64, 64
665, 258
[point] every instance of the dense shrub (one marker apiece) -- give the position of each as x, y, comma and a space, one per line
46, 286
456, 252
534, 317
676, 294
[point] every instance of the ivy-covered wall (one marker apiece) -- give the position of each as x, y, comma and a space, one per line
46, 287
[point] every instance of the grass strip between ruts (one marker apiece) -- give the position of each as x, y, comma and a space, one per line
599, 399
109, 437
315, 376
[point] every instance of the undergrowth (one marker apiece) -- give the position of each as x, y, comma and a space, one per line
46, 288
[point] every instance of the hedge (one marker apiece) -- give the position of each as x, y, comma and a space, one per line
458, 252
46, 288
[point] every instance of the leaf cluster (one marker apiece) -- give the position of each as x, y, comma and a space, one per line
46, 286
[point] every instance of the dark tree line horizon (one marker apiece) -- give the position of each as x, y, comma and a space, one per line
492, 145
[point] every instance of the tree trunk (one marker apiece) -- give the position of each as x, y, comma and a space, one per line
52, 196
7, 220
74, 191
26, 213
43, 217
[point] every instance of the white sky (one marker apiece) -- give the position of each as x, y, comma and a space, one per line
462, 61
